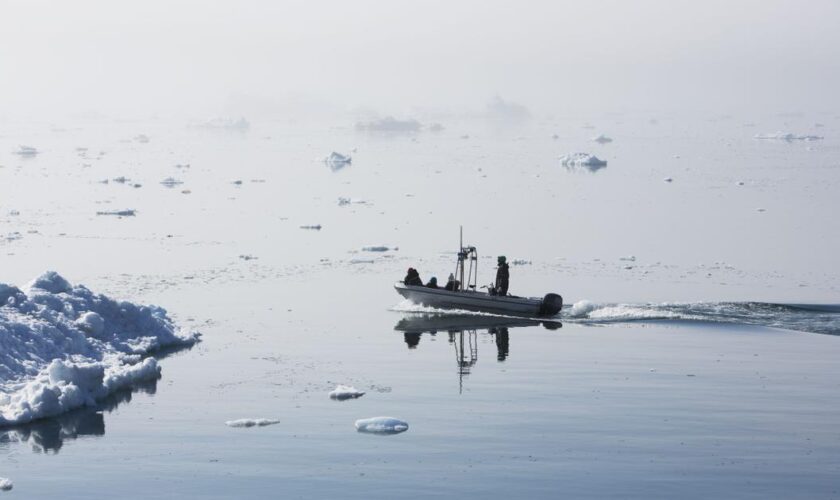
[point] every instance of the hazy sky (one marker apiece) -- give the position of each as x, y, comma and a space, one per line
189, 57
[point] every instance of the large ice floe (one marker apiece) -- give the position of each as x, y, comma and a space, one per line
381, 425
63, 346
582, 160
787, 136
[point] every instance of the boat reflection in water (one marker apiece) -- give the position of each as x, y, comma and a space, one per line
463, 334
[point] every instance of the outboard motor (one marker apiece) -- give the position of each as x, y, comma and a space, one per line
551, 304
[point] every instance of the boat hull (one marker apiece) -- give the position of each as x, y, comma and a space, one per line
473, 301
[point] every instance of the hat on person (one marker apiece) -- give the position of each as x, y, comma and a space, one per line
502, 259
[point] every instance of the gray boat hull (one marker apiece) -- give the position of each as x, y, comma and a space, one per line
478, 301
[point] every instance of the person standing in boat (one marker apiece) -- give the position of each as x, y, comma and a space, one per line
502, 276
412, 277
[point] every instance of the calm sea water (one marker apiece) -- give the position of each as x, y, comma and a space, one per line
679, 406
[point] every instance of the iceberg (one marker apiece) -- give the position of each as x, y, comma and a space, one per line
342, 392
63, 346
381, 425
5, 484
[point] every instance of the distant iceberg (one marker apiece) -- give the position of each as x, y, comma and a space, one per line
218, 123
582, 160
389, 124
63, 346
789, 137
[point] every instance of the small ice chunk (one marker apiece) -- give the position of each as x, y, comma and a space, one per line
602, 139
584, 160
436, 127
668, 179
119, 213
629, 258
251, 422
121, 179
248, 257
338, 158
315, 227
390, 124
342, 392
520, 262
377, 248
141, 138
27, 151
171, 182
381, 425
5, 484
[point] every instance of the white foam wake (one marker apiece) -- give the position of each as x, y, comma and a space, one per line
64, 346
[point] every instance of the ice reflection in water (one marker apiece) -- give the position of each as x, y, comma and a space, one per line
463, 335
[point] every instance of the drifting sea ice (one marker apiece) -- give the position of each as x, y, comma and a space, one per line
27, 151
787, 136
342, 392
63, 347
251, 422
585, 160
378, 248
119, 213
381, 425
5, 484
338, 158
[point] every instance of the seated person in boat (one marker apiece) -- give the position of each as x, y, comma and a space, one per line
413, 277
502, 276
432, 283
452, 284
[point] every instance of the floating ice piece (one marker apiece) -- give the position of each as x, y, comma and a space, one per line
251, 422
141, 138
119, 213
26, 151
237, 182
390, 124
629, 258
520, 262
789, 137
583, 160
602, 139
668, 179
171, 182
379, 248
361, 261
342, 392
50, 362
247, 257
5, 484
121, 179
182, 165
315, 227
381, 425
338, 159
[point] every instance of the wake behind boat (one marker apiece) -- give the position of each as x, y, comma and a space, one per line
495, 301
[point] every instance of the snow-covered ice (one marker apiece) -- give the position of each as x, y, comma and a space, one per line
64, 346
381, 425
251, 422
342, 392
338, 159
5, 484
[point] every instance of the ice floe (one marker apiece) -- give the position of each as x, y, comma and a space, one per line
377, 248
342, 392
789, 137
338, 160
343, 202
381, 425
171, 182
314, 227
5, 484
582, 160
26, 151
251, 422
602, 139
63, 347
